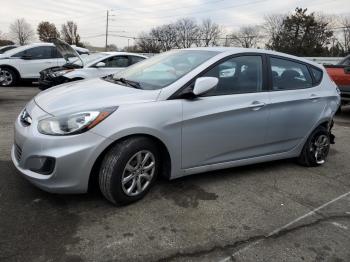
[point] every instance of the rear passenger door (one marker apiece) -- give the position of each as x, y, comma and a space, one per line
295, 103
230, 122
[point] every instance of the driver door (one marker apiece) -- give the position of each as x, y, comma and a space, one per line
230, 122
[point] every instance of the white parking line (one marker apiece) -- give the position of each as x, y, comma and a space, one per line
276, 231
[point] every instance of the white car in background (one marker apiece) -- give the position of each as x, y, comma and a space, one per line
6, 48
25, 62
79, 67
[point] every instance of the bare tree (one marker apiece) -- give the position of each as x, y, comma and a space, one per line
21, 31
345, 39
247, 36
69, 33
166, 35
272, 26
187, 32
147, 44
209, 33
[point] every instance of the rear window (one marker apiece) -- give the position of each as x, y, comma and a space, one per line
317, 73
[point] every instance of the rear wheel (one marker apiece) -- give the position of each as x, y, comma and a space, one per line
128, 170
7, 77
316, 148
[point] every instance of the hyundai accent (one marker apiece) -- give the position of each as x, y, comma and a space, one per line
178, 113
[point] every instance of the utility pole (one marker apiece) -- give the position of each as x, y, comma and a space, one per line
107, 29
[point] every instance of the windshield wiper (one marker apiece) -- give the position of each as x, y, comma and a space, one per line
133, 84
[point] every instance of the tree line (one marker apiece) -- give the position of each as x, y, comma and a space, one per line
21, 32
300, 33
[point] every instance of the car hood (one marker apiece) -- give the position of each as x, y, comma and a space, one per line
68, 52
90, 94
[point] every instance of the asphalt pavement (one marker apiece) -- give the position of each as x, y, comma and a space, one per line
276, 211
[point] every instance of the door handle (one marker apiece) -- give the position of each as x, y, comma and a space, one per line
314, 97
256, 105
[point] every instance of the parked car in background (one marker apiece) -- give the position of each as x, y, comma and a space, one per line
81, 50
25, 62
84, 67
5, 48
340, 74
178, 113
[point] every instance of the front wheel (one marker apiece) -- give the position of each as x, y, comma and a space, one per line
128, 170
316, 148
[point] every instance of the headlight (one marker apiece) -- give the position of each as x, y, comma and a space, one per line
74, 123
61, 73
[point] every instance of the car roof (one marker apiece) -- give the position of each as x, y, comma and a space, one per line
123, 53
237, 50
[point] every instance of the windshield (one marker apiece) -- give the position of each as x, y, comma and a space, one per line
164, 69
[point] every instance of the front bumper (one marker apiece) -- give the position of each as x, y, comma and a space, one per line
46, 82
74, 155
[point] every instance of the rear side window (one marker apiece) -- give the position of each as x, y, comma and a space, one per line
40, 52
55, 53
317, 73
135, 59
289, 75
117, 61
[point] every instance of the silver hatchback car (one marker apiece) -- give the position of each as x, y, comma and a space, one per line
175, 114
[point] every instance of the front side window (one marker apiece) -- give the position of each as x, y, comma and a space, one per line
289, 75
162, 70
116, 61
237, 75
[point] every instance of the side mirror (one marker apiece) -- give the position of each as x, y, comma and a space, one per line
100, 64
204, 85
26, 57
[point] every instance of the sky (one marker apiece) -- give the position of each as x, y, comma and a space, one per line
129, 18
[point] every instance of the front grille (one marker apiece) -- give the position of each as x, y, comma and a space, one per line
18, 152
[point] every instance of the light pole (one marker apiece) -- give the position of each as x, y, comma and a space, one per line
107, 21
107, 30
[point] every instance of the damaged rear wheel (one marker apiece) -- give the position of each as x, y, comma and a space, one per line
316, 148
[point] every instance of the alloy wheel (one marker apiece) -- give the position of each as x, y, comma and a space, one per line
320, 148
138, 173
6, 78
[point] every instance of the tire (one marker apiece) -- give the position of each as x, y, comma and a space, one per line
8, 77
122, 162
311, 155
